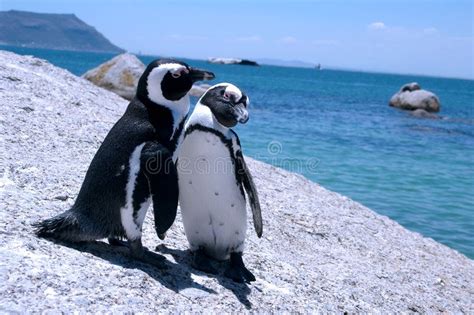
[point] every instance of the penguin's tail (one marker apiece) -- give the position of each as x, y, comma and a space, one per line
67, 226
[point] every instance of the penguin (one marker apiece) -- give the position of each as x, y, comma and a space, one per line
212, 177
133, 167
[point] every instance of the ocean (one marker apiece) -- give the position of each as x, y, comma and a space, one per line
336, 128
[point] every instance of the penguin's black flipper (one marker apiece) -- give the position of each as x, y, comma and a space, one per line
246, 179
157, 164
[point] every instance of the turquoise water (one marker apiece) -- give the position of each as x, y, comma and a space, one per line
337, 129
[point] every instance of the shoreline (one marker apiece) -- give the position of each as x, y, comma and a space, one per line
320, 250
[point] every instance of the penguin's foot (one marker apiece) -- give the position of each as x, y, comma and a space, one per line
162, 236
202, 262
138, 252
237, 271
116, 242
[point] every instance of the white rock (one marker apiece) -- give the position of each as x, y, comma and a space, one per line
232, 61
412, 97
119, 75
224, 61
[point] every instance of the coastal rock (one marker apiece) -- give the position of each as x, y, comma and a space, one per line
411, 97
232, 61
119, 75
320, 251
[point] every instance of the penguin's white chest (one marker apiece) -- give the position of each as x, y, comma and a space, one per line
212, 204
131, 221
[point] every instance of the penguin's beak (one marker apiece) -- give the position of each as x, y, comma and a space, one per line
241, 113
199, 75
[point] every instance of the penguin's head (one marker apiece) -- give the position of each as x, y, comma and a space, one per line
227, 103
168, 81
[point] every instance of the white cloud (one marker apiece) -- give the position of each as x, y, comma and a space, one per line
253, 38
287, 40
377, 26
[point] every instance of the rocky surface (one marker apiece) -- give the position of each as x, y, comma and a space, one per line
320, 251
121, 74
53, 31
412, 97
232, 61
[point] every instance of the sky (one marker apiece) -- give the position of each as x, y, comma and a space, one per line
412, 37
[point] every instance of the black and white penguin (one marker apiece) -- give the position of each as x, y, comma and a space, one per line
133, 167
212, 177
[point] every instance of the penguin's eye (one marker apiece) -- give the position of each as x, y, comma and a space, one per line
226, 96
176, 75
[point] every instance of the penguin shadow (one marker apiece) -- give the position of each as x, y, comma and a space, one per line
175, 277
184, 258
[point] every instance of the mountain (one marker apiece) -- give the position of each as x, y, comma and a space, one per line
52, 31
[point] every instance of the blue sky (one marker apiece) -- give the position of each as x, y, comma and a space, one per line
416, 37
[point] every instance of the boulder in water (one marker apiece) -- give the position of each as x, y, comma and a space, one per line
412, 97
232, 61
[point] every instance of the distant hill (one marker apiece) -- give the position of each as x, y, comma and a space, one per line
53, 31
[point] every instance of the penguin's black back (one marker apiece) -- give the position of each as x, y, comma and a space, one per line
103, 191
